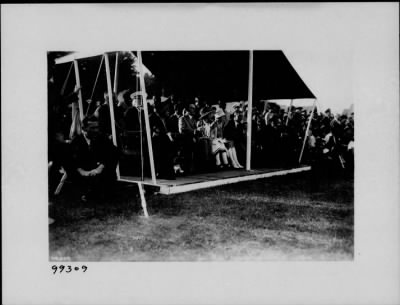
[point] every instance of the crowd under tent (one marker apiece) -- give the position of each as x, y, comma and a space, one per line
251, 76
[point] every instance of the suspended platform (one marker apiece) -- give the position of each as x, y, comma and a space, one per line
207, 180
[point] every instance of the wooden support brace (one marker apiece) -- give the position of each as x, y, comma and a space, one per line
307, 129
146, 119
143, 199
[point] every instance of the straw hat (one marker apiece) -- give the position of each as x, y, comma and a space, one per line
219, 114
204, 112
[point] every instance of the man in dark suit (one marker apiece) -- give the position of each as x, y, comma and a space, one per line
94, 162
188, 129
235, 131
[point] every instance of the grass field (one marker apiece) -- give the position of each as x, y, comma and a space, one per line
281, 218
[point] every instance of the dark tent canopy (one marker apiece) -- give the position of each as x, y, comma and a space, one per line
210, 75
214, 75
275, 78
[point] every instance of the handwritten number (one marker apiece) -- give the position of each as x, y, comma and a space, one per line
67, 268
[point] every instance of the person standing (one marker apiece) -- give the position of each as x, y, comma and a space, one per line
187, 126
162, 144
235, 132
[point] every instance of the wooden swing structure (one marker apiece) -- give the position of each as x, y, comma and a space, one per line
181, 184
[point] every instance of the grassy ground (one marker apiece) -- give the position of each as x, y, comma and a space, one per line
281, 218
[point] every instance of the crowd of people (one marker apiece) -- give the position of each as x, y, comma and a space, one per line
195, 136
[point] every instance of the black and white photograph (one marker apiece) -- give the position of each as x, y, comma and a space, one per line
195, 155
202, 153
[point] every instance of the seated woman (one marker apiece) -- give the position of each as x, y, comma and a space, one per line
204, 144
221, 148
94, 162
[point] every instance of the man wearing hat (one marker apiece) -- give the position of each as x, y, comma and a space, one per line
188, 129
204, 142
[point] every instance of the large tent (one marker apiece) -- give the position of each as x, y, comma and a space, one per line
227, 75
224, 75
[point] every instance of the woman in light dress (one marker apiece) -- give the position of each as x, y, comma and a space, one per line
223, 149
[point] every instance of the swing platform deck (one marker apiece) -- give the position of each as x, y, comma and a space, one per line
207, 180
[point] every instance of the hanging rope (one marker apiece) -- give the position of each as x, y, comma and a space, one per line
66, 80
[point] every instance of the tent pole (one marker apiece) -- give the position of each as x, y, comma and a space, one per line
146, 118
307, 129
111, 103
141, 133
116, 73
249, 111
78, 84
289, 112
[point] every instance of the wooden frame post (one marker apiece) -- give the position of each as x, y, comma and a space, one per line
111, 103
146, 118
307, 129
78, 84
249, 112
115, 88
143, 199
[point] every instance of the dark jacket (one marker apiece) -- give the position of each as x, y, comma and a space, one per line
234, 132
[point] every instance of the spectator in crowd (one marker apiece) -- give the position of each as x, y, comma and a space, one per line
172, 123
218, 148
234, 131
102, 114
204, 126
94, 161
187, 126
162, 142
133, 117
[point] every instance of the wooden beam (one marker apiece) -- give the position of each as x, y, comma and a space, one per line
76, 55
111, 102
307, 129
116, 73
146, 118
143, 199
249, 112
175, 189
78, 84
176, 186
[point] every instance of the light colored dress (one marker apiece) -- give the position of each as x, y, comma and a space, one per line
217, 143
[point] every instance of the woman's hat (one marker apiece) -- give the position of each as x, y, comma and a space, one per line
219, 114
136, 94
204, 112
